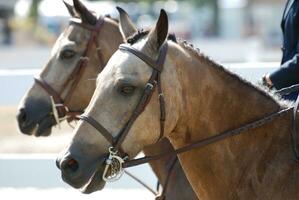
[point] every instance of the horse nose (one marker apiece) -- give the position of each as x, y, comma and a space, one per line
57, 162
21, 116
22, 119
68, 165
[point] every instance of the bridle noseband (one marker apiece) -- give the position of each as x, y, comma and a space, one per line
115, 161
60, 106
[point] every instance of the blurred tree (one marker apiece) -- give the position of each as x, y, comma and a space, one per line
215, 8
212, 3
33, 14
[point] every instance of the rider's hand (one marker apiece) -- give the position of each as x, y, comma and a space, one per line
267, 81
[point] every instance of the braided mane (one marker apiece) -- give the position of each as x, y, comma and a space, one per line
205, 59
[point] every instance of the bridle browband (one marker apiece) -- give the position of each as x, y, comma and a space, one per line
60, 106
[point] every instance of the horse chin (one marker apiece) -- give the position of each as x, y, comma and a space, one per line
94, 184
44, 127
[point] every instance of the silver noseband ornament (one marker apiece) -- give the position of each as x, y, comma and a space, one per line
114, 166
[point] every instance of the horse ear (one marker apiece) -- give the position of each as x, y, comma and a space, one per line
85, 15
70, 8
126, 26
158, 35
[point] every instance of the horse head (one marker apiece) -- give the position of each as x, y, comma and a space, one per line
122, 108
65, 85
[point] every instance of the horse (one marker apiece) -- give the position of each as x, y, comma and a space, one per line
152, 77
36, 115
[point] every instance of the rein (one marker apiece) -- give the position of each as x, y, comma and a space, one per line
210, 140
60, 106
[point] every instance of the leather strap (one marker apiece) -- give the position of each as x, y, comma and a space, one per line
155, 64
162, 196
145, 98
56, 97
76, 74
147, 94
99, 127
207, 141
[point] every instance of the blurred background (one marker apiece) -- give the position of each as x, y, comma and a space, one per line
243, 35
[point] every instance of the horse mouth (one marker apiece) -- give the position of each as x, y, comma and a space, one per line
44, 126
95, 183
41, 128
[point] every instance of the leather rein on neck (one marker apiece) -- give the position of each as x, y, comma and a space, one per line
60, 105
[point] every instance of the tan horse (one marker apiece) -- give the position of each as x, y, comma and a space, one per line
202, 99
72, 43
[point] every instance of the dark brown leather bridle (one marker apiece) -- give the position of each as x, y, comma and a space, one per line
60, 104
153, 82
115, 163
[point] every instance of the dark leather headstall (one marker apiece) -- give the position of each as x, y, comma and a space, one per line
153, 82
60, 104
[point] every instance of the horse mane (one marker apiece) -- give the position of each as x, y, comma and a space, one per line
258, 88
205, 59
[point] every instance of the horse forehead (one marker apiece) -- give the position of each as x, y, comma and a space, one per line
127, 63
58, 44
77, 33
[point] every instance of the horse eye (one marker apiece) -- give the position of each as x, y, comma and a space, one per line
67, 54
127, 90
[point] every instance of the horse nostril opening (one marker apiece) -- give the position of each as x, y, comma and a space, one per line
70, 165
22, 117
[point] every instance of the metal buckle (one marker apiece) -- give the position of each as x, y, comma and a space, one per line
151, 86
54, 105
55, 112
84, 58
114, 166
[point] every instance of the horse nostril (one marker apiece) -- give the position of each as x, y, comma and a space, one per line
70, 165
22, 117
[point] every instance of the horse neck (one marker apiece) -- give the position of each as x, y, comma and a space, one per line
214, 101
210, 93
